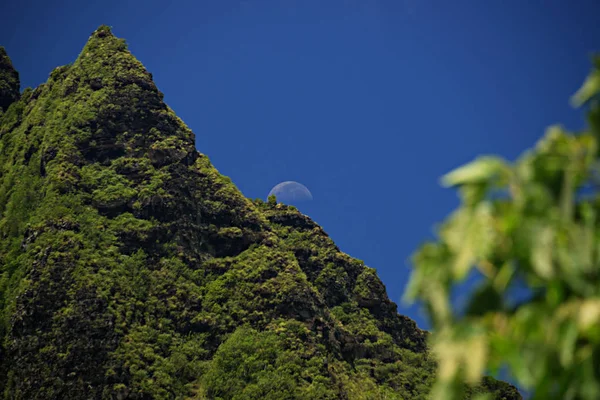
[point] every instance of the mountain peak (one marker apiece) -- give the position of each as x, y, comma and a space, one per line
105, 54
131, 268
9, 81
103, 31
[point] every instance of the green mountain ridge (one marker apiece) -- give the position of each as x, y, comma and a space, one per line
131, 269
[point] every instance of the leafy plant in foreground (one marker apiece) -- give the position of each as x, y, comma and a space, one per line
532, 224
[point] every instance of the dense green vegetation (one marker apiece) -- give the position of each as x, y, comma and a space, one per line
532, 224
131, 269
9, 81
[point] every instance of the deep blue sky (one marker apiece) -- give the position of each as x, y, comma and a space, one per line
365, 102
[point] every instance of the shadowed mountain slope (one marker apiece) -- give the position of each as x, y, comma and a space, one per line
131, 269
9, 81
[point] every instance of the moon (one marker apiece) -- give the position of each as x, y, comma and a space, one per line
291, 192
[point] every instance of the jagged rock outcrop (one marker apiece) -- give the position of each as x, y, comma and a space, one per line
131, 269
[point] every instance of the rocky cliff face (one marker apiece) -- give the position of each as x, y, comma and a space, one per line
131, 269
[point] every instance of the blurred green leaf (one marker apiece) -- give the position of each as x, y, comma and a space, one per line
478, 171
542, 252
589, 313
589, 89
470, 235
568, 341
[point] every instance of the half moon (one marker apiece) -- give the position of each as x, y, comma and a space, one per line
291, 192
